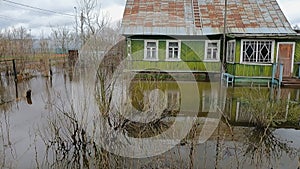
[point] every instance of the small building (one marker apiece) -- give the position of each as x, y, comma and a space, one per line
188, 36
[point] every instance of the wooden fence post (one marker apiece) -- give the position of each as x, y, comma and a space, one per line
50, 70
16, 78
15, 70
280, 74
274, 73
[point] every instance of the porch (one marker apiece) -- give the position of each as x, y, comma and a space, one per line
279, 78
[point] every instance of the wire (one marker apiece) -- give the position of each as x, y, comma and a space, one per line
36, 8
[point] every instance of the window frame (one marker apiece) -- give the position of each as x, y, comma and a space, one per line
228, 50
257, 51
145, 50
167, 51
218, 51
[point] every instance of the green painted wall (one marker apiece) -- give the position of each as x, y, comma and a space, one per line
192, 55
192, 50
297, 51
258, 70
297, 58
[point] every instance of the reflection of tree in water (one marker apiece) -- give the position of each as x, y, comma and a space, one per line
71, 142
262, 146
263, 110
158, 126
7, 149
69, 136
150, 98
6, 92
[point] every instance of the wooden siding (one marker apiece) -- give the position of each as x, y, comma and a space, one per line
192, 56
259, 70
297, 58
297, 51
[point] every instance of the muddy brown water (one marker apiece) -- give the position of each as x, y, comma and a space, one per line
62, 104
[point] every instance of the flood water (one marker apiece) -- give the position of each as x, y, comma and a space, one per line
75, 121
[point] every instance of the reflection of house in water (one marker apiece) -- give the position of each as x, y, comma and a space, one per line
173, 100
145, 92
182, 106
168, 100
209, 100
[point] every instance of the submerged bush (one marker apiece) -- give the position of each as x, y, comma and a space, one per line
264, 110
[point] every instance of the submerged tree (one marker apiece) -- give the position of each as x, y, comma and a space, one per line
62, 37
265, 111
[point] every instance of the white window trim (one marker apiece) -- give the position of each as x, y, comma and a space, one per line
145, 50
256, 63
179, 51
218, 53
234, 47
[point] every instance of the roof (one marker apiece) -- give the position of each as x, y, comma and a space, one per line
203, 17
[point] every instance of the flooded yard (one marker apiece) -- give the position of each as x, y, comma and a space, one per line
79, 119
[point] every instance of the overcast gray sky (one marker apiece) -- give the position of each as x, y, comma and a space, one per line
14, 15
38, 21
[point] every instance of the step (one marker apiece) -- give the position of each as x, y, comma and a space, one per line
297, 81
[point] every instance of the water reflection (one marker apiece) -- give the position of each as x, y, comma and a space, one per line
264, 148
59, 129
263, 107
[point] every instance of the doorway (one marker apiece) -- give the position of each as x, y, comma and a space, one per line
285, 55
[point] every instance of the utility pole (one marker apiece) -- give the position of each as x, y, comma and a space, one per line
76, 28
223, 69
81, 27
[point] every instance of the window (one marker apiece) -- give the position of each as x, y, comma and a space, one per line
212, 49
230, 55
173, 50
257, 51
151, 50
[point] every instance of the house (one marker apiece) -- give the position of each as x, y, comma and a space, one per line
189, 36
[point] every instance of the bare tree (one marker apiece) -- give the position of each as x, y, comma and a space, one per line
62, 37
16, 42
2, 45
44, 45
92, 19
